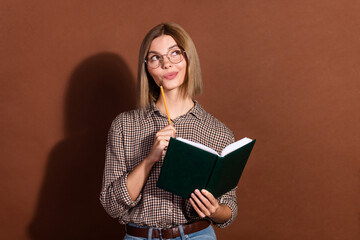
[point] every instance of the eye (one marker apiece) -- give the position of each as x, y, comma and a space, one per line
154, 58
175, 52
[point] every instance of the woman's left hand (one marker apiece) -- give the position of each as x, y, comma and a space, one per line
204, 203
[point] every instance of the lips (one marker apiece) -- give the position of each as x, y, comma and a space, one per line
170, 76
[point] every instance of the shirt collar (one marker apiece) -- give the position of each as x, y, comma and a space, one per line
197, 110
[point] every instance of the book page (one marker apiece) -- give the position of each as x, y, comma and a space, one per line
235, 145
198, 145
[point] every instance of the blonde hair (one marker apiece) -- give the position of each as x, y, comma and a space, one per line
148, 91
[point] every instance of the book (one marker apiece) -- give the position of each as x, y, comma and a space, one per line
188, 166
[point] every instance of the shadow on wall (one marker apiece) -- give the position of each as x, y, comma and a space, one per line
69, 208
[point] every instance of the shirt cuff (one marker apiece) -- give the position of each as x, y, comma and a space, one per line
233, 206
122, 194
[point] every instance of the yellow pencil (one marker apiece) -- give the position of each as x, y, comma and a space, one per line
166, 108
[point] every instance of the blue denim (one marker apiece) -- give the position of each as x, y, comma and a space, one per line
205, 234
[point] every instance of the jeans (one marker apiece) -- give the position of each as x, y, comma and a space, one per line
206, 234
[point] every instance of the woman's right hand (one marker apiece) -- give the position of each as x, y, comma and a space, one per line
138, 176
161, 142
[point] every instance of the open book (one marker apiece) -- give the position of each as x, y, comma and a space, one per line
189, 166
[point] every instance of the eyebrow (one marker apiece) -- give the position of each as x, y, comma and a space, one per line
173, 46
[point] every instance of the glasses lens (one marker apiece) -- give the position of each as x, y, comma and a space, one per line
153, 61
175, 55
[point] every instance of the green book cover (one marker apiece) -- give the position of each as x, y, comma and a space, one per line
189, 166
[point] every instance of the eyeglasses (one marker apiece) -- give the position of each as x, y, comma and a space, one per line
175, 56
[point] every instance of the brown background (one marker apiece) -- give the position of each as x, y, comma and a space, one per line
283, 72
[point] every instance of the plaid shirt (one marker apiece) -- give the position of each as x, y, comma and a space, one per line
129, 141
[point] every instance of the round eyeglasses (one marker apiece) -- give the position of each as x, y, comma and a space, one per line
175, 56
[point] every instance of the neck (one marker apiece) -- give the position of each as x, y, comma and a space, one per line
176, 103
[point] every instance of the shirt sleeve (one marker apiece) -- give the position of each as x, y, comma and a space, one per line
114, 195
228, 199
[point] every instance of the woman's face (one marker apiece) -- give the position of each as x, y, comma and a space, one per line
170, 75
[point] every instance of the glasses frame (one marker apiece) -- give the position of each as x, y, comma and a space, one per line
161, 60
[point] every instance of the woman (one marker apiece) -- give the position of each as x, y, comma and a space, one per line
138, 140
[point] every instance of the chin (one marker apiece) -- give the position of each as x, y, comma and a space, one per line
169, 85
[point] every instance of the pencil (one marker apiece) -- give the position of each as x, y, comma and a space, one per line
166, 108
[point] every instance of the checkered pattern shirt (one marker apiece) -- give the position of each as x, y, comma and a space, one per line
130, 139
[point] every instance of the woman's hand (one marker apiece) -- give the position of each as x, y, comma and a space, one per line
161, 142
137, 177
206, 205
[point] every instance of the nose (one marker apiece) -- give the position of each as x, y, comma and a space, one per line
165, 63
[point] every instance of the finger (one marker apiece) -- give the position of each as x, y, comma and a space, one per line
172, 131
210, 206
200, 204
203, 199
170, 128
160, 145
167, 132
163, 139
209, 196
163, 144
193, 204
